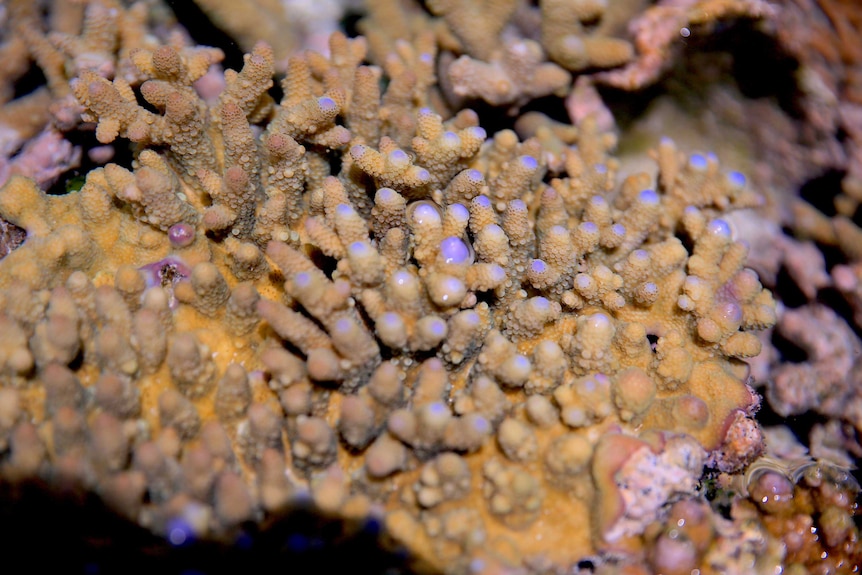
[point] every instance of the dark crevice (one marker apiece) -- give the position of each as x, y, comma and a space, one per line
84, 536
30, 81
276, 92
72, 180
493, 119
686, 240
801, 425
787, 291
627, 107
551, 106
790, 352
323, 262
204, 32
820, 191
732, 53
832, 255
761, 68
350, 23
834, 300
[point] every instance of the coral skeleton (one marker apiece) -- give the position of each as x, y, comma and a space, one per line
506, 348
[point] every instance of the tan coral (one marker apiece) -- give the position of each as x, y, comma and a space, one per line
388, 339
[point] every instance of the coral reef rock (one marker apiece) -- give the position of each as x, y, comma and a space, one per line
358, 298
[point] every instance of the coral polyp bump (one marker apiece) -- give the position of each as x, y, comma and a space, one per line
433, 330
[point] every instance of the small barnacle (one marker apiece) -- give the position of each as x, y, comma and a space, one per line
770, 483
821, 471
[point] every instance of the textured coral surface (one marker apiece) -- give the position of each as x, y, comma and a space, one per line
509, 347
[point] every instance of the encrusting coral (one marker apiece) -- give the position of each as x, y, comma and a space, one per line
346, 294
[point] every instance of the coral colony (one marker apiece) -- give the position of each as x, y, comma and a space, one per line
510, 351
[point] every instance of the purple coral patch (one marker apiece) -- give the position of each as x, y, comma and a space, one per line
181, 235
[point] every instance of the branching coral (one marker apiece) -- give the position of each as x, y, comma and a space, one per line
94, 36
505, 52
348, 294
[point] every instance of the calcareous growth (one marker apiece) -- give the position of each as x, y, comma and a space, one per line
512, 356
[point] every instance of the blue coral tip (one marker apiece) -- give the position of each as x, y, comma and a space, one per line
459, 212
497, 273
648, 197
425, 213
697, 161
529, 162
438, 408
327, 104
391, 319
538, 266
386, 194
179, 532
437, 327
472, 318
481, 425
719, 227
358, 248
540, 303
402, 277
520, 363
344, 210
736, 178
454, 250
343, 326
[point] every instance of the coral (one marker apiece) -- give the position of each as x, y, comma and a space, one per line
827, 382
44, 159
504, 52
635, 480
71, 37
98, 36
353, 298
287, 26
658, 32
783, 514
